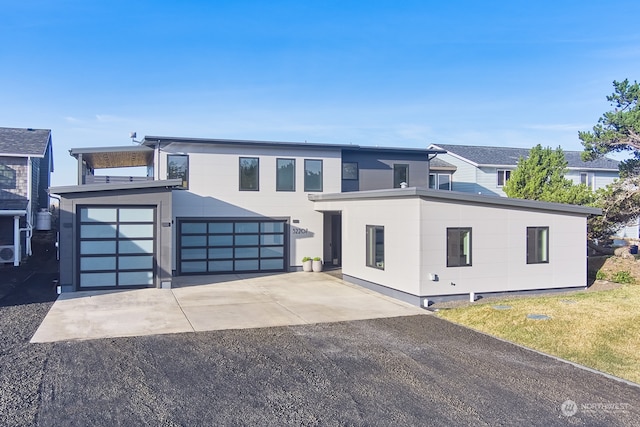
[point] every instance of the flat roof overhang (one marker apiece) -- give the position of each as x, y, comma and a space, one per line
114, 157
151, 141
169, 184
456, 196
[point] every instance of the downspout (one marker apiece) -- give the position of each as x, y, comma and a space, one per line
59, 199
29, 224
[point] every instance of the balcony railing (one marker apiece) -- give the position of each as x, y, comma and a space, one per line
105, 179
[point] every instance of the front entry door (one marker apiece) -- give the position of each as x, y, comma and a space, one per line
336, 239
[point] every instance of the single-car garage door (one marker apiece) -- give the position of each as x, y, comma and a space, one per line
117, 246
229, 246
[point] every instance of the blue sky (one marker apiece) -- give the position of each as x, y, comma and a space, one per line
392, 73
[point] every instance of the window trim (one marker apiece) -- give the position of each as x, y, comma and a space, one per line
535, 258
505, 178
406, 166
185, 180
457, 256
240, 159
371, 236
278, 183
306, 187
357, 171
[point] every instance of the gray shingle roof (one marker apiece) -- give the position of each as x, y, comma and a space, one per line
26, 142
505, 156
437, 163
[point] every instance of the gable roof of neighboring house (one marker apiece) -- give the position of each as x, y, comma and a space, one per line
17, 142
439, 164
508, 157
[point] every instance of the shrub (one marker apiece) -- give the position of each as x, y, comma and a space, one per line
601, 275
623, 277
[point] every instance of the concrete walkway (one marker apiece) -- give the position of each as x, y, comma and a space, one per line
206, 303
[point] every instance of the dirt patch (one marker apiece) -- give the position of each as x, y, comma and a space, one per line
605, 268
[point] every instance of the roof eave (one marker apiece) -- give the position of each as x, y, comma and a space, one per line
458, 196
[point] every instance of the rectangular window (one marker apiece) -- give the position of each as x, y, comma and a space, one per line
444, 181
537, 245
285, 175
178, 168
503, 177
312, 175
350, 171
375, 246
400, 175
458, 247
249, 173
586, 178
441, 181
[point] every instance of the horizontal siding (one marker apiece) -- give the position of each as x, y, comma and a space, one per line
464, 178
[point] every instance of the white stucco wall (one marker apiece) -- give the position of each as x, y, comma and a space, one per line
401, 220
416, 246
499, 249
214, 190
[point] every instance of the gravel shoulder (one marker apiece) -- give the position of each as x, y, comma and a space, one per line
417, 370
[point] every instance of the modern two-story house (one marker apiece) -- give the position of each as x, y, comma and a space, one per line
26, 164
213, 206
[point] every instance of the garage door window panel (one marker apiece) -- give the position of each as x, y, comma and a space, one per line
97, 247
95, 280
136, 262
98, 263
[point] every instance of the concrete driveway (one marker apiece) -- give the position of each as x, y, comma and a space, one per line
205, 303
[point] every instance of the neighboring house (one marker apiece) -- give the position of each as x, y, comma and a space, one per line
212, 206
26, 163
485, 170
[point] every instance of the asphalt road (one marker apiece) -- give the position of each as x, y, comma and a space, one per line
417, 370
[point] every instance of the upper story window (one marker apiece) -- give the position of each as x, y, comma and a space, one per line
312, 175
285, 175
503, 176
537, 245
440, 181
375, 246
458, 247
587, 178
400, 175
350, 171
178, 168
7, 177
249, 174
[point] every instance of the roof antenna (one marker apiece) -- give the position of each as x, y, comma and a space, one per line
133, 136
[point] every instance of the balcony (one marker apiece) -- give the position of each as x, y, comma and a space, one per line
136, 159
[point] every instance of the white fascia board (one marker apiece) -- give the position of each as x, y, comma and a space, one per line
12, 212
464, 159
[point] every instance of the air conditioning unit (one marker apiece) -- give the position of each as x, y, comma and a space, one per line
7, 254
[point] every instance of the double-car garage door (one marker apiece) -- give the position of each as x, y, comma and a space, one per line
214, 246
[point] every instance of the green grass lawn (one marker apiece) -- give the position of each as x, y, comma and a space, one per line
600, 330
